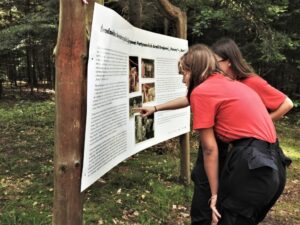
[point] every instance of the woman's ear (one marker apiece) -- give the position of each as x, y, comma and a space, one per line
229, 64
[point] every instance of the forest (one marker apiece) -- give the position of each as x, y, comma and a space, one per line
266, 31
145, 189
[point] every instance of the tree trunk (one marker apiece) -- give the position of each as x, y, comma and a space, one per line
33, 68
52, 71
70, 62
11, 70
38, 61
166, 26
135, 13
1, 88
181, 25
48, 68
180, 16
28, 68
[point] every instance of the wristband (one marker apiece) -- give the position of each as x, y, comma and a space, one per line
155, 109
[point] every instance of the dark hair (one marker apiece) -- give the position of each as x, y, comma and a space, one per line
227, 49
200, 61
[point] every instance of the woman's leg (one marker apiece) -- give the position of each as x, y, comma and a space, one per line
200, 210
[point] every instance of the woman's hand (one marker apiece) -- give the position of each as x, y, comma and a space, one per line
215, 213
146, 111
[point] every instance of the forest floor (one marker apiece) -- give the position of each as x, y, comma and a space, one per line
143, 190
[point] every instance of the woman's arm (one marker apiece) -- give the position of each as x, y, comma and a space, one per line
211, 164
177, 103
275, 101
210, 157
286, 106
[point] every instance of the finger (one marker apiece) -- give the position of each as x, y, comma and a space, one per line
146, 114
137, 109
215, 219
215, 211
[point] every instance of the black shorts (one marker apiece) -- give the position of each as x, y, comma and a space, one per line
252, 180
200, 211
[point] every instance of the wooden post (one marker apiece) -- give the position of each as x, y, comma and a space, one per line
185, 173
181, 24
70, 65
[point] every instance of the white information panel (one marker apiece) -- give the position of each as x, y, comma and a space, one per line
128, 68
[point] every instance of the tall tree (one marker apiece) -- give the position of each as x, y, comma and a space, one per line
27, 32
135, 12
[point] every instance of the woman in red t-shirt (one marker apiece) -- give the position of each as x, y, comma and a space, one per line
233, 112
232, 63
275, 101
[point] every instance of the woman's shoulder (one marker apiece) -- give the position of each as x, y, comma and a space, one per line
253, 79
212, 84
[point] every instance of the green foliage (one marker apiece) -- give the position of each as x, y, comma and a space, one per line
205, 19
36, 22
272, 45
25, 27
253, 18
296, 103
266, 31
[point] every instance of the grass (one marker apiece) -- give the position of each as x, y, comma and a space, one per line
143, 190
26, 150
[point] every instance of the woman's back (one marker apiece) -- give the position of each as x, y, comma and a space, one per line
238, 111
271, 97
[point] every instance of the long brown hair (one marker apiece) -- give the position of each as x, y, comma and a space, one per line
200, 61
227, 49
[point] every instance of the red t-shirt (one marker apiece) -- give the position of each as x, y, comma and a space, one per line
232, 108
271, 97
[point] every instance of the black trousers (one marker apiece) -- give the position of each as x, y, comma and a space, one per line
251, 180
200, 210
